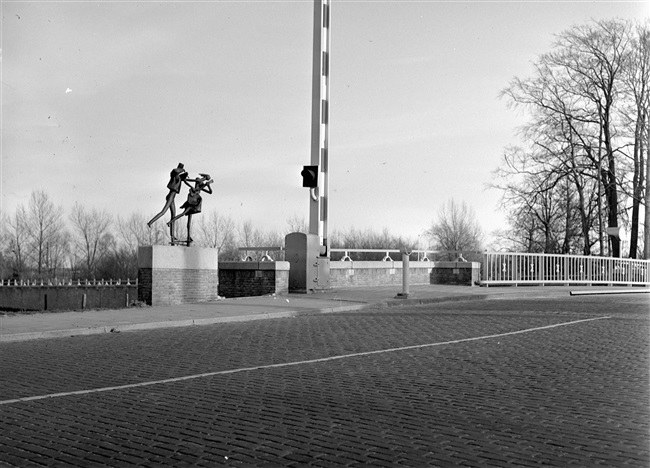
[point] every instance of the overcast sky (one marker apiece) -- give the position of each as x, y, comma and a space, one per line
101, 99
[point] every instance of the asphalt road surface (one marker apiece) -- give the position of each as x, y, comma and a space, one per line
559, 382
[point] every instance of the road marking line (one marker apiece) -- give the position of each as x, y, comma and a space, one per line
597, 292
287, 364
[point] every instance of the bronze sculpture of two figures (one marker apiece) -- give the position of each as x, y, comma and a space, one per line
192, 205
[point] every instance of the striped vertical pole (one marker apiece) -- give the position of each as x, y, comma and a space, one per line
318, 204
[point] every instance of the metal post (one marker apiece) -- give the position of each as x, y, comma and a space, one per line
405, 274
318, 204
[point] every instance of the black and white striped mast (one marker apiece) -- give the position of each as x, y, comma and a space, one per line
318, 199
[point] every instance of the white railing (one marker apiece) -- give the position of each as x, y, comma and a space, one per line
422, 255
265, 258
527, 268
346, 253
78, 282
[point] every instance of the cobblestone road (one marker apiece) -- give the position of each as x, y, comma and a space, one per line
420, 386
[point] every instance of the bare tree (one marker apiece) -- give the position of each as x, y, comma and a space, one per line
93, 240
133, 231
456, 228
249, 236
538, 188
370, 239
579, 112
559, 146
297, 224
118, 260
636, 80
216, 230
57, 252
594, 57
14, 242
44, 226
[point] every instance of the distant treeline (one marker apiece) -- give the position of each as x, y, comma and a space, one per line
42, 241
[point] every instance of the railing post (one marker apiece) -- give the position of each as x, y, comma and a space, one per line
565, 273
486, 266
516, 268
610, 271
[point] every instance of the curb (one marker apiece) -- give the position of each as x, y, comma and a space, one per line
67, 333
604, 292
469, 298
389, 303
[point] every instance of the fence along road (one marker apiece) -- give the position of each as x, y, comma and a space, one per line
526, 268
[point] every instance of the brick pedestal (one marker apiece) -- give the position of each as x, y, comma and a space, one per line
242, 279
170, 275
465, 273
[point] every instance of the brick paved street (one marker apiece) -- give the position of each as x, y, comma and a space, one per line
567, 395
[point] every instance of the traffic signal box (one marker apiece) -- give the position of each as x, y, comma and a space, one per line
308, 270
310, 176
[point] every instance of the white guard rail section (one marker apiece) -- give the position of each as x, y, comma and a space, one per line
421, 254
526, 268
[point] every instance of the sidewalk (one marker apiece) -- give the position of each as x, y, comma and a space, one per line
22, 327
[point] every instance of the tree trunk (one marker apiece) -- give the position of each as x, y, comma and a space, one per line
611, 190
646, 228
611, 196
601, 184
584, 221
637, 183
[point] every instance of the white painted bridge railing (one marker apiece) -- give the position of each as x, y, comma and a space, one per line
527, 268
346, 253
69, 282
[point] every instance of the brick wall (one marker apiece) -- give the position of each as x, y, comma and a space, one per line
243, 279
350, 274
144, 285
170, 286
56, 298
460, 273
